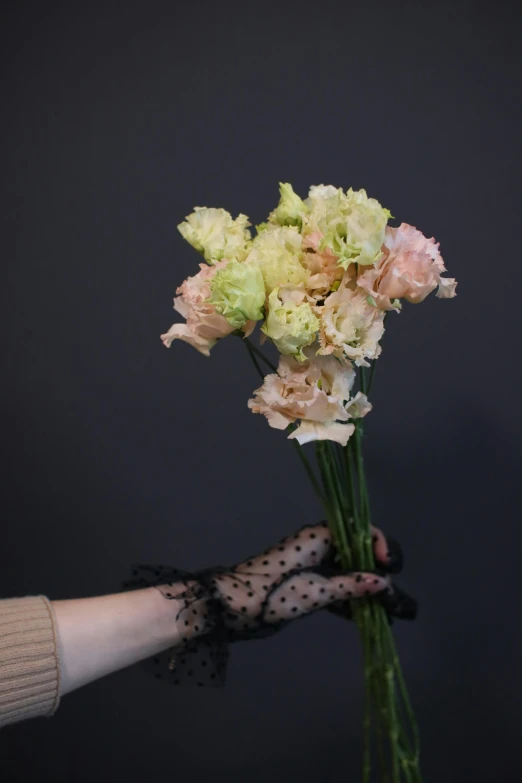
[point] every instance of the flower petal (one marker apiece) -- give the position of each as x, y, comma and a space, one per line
311, 430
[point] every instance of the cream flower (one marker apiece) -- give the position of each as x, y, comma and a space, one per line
359, 406
313, 392
276, 252
203, 325
320, 192
410, 268
290, 322
350, 325
352, 224
215, 234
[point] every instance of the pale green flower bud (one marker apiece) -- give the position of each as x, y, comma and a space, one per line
290, 209
238, 293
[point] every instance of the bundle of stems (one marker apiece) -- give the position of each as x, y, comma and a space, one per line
343, 492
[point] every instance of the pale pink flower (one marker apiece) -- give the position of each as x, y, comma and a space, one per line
314, 392
410, 268
350, 326
203, 325
323, 266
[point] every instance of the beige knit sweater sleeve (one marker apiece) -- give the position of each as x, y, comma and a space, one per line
29, 660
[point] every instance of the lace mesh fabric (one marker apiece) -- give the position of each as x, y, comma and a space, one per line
258, 597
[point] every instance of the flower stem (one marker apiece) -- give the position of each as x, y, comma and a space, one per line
372, 374
388, 715
259, 353
309, 471
250, 350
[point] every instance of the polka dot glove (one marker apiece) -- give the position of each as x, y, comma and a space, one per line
259, 596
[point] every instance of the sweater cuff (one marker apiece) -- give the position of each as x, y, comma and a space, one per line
29, 661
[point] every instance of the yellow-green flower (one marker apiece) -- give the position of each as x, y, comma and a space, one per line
216, 235
238, 293
276, 252
290, 326
290, 209
352, 224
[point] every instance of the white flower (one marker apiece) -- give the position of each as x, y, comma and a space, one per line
350, 325
359, 406
216, 235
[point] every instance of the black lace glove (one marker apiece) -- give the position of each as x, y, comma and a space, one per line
261, 595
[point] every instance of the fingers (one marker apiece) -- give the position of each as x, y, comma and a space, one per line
304, 593
304, 549
395, 601
399, 604
387, 551
380, 547
312, 545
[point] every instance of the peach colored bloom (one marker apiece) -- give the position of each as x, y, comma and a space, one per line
323, 266
410, 268
203, 325
350, 325
315, 392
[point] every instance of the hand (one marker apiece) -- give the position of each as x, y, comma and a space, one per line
295, 578
260, 595
300, 576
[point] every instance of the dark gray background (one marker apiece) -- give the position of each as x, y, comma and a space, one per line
118, 118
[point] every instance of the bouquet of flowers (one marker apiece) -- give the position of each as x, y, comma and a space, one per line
321, 276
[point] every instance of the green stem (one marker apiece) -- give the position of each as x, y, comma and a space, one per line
309, 471
331, 507
259, 353
381, 717
364, 625
363, 380
390, 697
344, 494
350, 482
254, 358
414, 755
372, 374
341, 495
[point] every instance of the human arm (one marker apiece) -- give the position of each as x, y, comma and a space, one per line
49, 648
99, 635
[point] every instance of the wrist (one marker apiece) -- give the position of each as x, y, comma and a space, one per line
170, 625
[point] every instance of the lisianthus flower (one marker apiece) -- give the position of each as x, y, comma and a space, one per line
350, 325
358, 406
238, 293
276, 252
216, 235
352, 224
314, 393
291, 208
323, 266
290, 324
410, 268
204, 326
